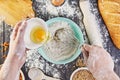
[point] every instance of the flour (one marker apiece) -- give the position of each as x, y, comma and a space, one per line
45, 10
101, 27
71, 11
62, 44
35, 60
91, 25
48, 8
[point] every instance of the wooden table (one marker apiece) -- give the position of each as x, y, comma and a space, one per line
62, 71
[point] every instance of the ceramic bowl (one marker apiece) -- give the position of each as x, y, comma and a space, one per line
78, 34
82, 68
31, 23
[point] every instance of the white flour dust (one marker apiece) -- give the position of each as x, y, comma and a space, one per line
35, 60
62, 44
51, 9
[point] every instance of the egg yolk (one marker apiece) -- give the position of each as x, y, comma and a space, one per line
37, 35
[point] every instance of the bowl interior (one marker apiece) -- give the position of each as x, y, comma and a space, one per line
31, 23
78, 35
82, 68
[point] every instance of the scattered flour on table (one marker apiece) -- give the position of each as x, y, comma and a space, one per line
35, 60
51, 9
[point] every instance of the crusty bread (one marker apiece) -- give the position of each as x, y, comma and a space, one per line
15, 10
110, 11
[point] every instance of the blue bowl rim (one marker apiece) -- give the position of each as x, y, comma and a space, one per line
78, 52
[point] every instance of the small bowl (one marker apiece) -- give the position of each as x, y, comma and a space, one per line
82, 68
78, 34
31, 23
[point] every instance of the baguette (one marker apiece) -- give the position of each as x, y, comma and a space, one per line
110, 11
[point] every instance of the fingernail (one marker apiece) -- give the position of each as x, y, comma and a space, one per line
85, 45
23, 22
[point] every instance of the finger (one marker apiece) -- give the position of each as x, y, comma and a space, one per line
97, 46
24, 55
92, 50
15, 30
21, 31
87, 47
27, 49
85, 55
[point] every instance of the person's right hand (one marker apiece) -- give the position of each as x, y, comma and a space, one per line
98, 60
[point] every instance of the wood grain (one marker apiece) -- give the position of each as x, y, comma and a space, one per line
15, 10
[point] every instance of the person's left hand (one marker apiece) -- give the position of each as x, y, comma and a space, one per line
17, 45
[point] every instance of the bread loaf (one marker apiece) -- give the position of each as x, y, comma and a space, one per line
14, 11
110, 11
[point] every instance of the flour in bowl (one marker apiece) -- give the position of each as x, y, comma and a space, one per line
63, 43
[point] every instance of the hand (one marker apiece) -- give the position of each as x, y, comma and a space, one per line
17, 45
16, 55
98, 61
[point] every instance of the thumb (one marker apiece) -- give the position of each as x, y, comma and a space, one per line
87, 47
85, 55
85, 50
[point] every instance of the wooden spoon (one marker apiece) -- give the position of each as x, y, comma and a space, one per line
37, 74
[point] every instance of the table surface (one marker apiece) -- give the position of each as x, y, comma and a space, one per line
70, 9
